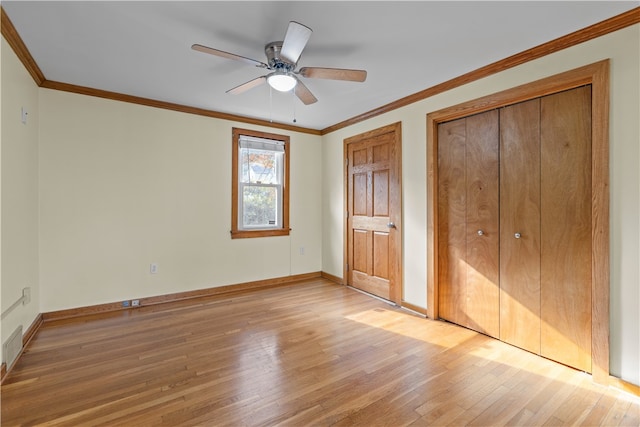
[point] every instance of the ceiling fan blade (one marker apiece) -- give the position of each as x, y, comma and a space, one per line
304, 94
333, 74
223, 54
294, 42
248, 85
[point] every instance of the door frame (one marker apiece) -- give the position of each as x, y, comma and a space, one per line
395, 198
597, 75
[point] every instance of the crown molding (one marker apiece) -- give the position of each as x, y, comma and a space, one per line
610, 25
99, 93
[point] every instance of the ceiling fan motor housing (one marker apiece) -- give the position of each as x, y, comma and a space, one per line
272, 51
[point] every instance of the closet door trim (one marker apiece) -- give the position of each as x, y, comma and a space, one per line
596, 75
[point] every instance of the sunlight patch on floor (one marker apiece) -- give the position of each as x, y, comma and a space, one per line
440, 334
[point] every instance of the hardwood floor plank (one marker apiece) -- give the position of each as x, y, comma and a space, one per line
315, 353
632, 416
599, 411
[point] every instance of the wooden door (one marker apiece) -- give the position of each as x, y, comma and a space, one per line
520, 225
468, 222
565, 287
545, 219
452, 206
570, 157
374, 256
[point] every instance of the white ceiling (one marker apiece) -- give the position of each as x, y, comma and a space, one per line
143, 48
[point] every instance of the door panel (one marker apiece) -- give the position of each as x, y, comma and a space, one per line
381, 193
468, 222
520, 213
359, 157
381, 153
482, 218
360, 194
373, 285
373, 201
452, 200
566, 227
381, 254
360, 250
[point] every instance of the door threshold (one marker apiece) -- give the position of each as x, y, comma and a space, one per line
373, 296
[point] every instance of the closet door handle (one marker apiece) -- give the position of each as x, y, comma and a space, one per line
517, 235
480, 233
391, 225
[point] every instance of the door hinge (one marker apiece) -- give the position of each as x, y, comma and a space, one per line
347, 267
346, 161
346, 214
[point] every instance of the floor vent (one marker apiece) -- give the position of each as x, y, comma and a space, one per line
12, 347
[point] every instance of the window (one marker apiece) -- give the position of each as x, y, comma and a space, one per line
260, 192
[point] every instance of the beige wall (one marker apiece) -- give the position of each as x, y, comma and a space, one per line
623, 47
123, 185
19, 193
117, 186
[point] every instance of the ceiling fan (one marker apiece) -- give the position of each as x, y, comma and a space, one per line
282, 59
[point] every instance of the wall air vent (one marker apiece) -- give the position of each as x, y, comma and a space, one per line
12, 347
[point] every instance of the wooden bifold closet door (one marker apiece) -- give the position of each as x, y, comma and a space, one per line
520, 214
468, 213
565, 244
514, 224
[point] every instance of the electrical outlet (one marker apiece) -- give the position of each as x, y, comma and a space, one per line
135, 303
125, 303
301, 250
153, 268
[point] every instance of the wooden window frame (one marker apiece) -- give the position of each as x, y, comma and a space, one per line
596, 75
236, 232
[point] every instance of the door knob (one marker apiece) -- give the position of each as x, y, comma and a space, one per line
480, 233
517, 235
391, 225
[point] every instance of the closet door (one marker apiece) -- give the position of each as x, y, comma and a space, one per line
520, 225
452, 228
566, 227
468, 222
482, 218
515, 225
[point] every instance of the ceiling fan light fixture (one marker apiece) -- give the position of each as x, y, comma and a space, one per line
282, 81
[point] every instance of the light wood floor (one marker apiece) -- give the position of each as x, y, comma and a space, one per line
307, 354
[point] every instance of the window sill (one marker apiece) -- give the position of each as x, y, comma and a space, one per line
244, 234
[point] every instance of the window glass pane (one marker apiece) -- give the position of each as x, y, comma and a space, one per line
260, 166
260, 207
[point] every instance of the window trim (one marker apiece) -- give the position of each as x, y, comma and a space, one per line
236, 232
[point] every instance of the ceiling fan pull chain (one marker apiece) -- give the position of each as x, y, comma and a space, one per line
293, 100
270, 104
